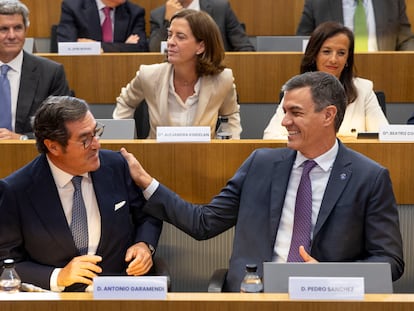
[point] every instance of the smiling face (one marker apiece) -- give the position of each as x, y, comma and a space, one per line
182, 46
12, 36
333, 55
75, 159
309, 131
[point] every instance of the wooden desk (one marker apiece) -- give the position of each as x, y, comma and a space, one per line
258, 75
197, 171
200, 302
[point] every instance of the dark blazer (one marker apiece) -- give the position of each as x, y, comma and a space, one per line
232, 32
40, 78
411, 119
34, 230
392, 25
80, 19
358, 218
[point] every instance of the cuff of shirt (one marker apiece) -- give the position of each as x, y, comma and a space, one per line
149, 191
53, 281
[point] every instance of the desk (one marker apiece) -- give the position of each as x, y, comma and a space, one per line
197, 171
201, 302
258, 75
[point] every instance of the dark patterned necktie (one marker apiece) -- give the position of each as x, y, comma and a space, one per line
79, 224
302, 223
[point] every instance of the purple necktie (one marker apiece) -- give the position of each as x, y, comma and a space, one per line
302, 223
107, 25
5, 99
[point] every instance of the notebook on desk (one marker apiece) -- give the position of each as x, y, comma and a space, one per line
118, 129
281, 43
377, 276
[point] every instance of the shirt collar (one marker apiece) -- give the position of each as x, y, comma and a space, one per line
61, 177
325, 161
16, 63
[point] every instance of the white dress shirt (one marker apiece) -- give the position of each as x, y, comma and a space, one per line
14, 75
319, 177
349, 7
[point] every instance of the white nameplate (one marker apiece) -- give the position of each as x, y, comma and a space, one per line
183, 134
163, 47
130, 287
326, 288
397, 132
79, 48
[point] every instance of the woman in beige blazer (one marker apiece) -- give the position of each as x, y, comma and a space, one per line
331, 49
193, 88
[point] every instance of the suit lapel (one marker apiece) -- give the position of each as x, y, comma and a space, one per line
103, 192
121, 23
336, 9
46, 202
205, 6
280, 181
28, 84
206, 92
340, 176
90, 11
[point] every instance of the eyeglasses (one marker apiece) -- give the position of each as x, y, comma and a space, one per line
99, 129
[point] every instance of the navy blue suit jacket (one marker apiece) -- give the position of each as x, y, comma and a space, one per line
40, 78
80, 19
358, 218
392, 25
34, 230
232, 32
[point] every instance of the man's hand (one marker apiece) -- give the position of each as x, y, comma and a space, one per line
81, 269
171, 7
306, 257
140, 258
138, 174
132, 39
7, 134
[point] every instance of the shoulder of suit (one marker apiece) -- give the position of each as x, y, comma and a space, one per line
363, 83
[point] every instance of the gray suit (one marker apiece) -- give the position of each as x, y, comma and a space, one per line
357, 221
40, 78
392, 25
232, 32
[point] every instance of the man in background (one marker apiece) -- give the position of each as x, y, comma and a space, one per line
118, 24
387, 24
232, 32
25, 80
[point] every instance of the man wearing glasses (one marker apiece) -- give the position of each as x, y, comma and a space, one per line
60, 232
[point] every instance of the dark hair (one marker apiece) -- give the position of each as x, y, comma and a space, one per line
50, 119
205, 29
325, 89
12, 7
323, 32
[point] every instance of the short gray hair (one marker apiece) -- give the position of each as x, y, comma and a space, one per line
12, 7
325, 89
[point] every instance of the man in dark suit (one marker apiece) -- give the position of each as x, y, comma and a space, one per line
352, 214
392, 27
32, 78
36, 206
81, 20
233, 34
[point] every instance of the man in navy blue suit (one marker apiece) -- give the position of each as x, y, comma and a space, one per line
36, 205
81, 20
354, 216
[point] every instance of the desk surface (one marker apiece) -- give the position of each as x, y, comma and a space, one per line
199, 302
197, 171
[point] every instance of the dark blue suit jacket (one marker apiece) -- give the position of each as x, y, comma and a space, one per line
232, 32
358, 218
40, 78
34, 230
80, 19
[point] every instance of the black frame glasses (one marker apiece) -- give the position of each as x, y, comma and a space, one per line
99, 129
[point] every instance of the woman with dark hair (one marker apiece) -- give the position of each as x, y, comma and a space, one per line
331, 49
193, 88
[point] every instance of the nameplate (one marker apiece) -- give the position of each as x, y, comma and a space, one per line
130, 287
397, 132
163, 47
326, 288
79, 48
183, 134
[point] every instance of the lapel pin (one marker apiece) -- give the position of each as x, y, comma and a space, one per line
342, 176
